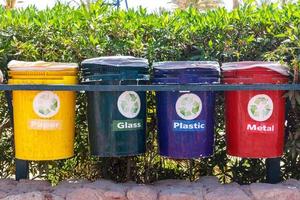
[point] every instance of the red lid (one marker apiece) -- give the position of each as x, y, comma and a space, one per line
273, 66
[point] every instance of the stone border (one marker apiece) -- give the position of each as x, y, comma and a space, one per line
207, 188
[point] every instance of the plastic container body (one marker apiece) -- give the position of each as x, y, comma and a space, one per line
254, 119
186, 118
110, 132
44, 121
116, 120
185, 139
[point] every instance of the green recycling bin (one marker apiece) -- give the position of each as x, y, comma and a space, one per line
116, 120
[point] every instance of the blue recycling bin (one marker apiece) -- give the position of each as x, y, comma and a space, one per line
186, 118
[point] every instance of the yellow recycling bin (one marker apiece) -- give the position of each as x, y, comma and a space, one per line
44, 121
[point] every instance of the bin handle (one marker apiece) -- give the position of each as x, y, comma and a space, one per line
140, 77
182, 80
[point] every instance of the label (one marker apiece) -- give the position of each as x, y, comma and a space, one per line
260, 128
46, 104
127, 125
183, 125
44, 125
260, 107
129, 104
188, 106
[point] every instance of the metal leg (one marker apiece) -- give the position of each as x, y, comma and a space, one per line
22, 169
273, 170
22, 166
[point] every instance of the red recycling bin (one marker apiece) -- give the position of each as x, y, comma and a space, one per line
255, 119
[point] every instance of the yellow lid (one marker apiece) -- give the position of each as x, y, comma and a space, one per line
43, 66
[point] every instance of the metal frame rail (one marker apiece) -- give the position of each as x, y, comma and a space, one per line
272, 164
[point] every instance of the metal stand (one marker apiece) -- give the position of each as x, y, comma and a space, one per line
273, 174
273, 170
22, 169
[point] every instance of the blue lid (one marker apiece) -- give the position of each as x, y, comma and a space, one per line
179, 65
176, 72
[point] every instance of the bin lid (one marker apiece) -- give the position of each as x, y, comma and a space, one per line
115, 61
16, 65
115, 68
182, 65
186, 72
273, 66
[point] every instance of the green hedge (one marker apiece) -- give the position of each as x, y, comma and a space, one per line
71, 34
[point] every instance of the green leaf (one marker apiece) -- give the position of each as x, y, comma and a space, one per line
210, 43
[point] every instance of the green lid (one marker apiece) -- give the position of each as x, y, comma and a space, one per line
115, 68
115, 61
